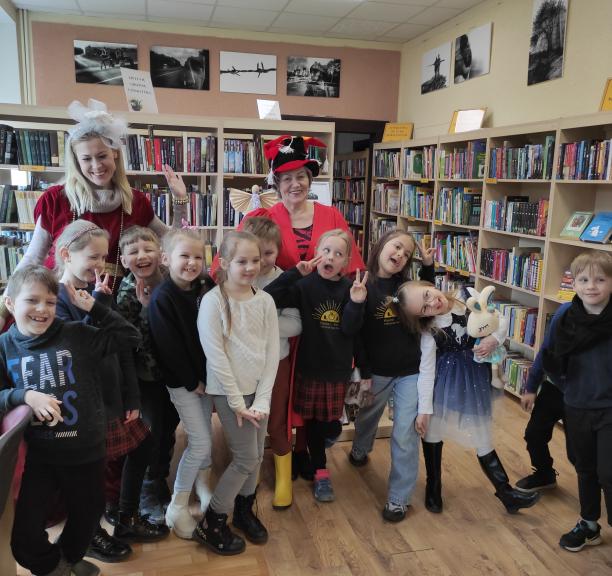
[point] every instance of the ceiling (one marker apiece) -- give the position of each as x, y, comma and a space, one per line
376, 20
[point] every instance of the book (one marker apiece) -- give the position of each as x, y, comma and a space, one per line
576, 224
566, 287
599, 230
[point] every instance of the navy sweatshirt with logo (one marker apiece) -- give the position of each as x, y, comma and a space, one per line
64, 362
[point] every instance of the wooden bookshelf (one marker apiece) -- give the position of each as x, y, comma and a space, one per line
563, 197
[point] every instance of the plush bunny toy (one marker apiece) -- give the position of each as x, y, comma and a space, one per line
484, 319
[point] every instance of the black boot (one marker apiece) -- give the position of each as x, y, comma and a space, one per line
138, 528
245, 520
106, 548
302, 466
432, 452
512, 499
213, 532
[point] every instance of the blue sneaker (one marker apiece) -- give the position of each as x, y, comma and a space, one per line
323, 490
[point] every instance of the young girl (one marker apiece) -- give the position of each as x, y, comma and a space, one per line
462, 390
173, 312
388, 372
238, 329
81, 252
332, 314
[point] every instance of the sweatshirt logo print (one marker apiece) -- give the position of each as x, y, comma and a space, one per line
386, 314
328, 314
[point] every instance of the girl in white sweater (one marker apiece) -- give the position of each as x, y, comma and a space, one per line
238, 329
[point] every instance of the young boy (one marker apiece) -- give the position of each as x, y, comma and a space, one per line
289, 325
141, 255
50, 365
578, 361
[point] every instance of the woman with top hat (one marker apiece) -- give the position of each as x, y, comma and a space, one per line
302, 222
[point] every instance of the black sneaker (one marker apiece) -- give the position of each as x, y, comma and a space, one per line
106, 548
393, 512
358, 462
539, 480
84, 568
580, 536
111, 514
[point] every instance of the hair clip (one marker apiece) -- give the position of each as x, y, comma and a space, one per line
395, 300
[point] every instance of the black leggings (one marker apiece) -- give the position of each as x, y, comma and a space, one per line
134, 468
317, 432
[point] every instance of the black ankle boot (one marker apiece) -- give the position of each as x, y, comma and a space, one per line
106, 548
512, 499
245, 520
213, 532
432, 452
138, 528
302, 466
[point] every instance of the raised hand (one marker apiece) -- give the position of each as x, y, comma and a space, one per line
305, 267
358, 289
46, 407
102, 284
143, 293
175, 182
427, 254
80, 298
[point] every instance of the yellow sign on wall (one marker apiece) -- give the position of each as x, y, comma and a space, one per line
395, 131
606, 101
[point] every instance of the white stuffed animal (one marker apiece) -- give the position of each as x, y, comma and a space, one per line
484, 319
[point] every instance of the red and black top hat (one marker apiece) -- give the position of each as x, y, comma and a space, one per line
287, 153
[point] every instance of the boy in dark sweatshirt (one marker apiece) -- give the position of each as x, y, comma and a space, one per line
51, 366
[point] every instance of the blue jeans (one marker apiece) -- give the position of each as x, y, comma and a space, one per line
195, 412
404, 439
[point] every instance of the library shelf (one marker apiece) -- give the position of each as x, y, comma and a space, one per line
517, 181
453, 225
464, 180
556, 299
511, 286
583, 182
521, 344
383, 213
581, 244
414, 219
516, 234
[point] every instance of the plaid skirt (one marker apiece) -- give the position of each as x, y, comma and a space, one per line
318, 399
122, 438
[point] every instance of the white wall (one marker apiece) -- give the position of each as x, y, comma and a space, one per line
504, 91
10, 90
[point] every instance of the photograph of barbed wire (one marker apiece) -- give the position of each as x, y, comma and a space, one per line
249, 73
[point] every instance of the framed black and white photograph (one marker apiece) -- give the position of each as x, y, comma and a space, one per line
248, 73
313, 77
473, 53
435, 68
547, 42
186, 68
99, 62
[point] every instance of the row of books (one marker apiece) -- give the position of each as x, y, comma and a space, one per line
32, 147
529, 162
385, 198
8, 203
201, 210
456, 249
585, 160
359, 236
419, 164
416, 202
353, 213
422, 238
349, 190
463, 163
521, 266
517, 214
566, 290
515, 369
242, 156
589, 227
386, 164
459, 205
452, 283
379, 226
13, 244
350, 168
522, 321
231, 217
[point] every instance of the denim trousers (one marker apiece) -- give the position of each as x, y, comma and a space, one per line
195, 412
404, 439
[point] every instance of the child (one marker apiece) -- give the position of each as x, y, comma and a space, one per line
141, 255
80, 255
173, 313
53, 367
238, 329
289, 324
332, 314
577, 360
388, 371
462, 391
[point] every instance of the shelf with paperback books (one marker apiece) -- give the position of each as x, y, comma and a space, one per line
386, 198
461, 159
522, 156
458, 205
456, 250
515, 369
386, 162
416, 201
519, 267
418, 162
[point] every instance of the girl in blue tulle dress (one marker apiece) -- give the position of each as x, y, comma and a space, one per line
462, 390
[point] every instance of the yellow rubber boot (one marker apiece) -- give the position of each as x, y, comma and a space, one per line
283, 490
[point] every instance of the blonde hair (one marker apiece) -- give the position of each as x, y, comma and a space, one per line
75, 237
338, 233
592, 260
78, 188
135, 233
227, 251
175, 235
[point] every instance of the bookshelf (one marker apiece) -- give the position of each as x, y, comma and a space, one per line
533, 178
350, 193
211, 154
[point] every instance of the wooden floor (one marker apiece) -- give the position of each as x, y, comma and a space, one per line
473, 536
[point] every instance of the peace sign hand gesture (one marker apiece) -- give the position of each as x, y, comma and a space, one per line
102, 284
427, 254
305, 267
175, 182
358, 289
80, 298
